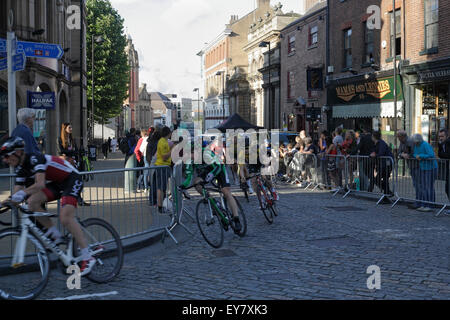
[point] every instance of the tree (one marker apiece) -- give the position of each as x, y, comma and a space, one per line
111, 70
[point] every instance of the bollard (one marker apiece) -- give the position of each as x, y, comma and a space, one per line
130, 176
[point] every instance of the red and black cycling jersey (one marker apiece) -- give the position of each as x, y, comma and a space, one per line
55, 169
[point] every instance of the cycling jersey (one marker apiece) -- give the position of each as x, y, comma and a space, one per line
215, 169
63, 180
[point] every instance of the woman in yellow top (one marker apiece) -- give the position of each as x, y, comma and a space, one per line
163, 158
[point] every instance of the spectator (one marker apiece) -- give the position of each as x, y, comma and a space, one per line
109, 144
310, 152
350, 148
151, 159
132, 142
331, 154
323, 158
366, 164
406, 152
163, 158
383, 165
130, 162
141, 160
338, 140
444, 153
288, 155
114, 144
105, 149
427, 173
24, 130
67, 149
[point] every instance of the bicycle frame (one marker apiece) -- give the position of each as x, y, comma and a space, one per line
26, 226
213, 206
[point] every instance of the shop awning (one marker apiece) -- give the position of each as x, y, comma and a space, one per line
371, 110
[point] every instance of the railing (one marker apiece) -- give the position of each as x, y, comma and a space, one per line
119, 197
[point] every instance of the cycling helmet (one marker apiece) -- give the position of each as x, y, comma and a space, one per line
205, 143
12, 145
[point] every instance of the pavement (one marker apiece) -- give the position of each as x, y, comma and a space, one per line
320, 247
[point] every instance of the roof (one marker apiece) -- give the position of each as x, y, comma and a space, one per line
236, 122
312, 11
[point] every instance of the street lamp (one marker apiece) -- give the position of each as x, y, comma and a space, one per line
220, 73
99, 40
265, 44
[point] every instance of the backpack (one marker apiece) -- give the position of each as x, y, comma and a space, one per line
124, 147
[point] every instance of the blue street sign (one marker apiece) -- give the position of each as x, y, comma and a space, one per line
36, 50
3, 64
19, 61
41, 100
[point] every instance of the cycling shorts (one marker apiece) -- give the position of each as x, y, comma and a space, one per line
69, 191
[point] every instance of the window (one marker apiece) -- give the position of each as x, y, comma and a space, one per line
431, 23
314, 80
291, 44
397, 35
368, 45
290, 85
348, 48
313, 36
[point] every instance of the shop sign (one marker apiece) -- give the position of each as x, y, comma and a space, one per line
367, 91
433, 75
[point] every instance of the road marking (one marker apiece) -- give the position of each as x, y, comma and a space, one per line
88, 296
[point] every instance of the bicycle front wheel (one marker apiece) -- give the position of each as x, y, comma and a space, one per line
27, 281
209, 225
106, 246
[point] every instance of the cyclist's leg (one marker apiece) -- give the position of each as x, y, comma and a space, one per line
35, 204
68, 220
230, 201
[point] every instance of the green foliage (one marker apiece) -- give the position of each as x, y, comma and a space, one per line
111, 70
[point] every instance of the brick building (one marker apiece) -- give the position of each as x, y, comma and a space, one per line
303, 66
133, 86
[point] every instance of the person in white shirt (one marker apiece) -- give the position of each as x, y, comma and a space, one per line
114, 145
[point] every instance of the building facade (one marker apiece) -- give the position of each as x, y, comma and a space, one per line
144, 111
133, 87
46, 21
303, 68
264, 36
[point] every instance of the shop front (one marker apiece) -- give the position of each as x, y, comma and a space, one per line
369, 104
430, 86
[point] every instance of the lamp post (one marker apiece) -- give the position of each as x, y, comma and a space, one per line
99, 40
394, 49
265, 44
222, 73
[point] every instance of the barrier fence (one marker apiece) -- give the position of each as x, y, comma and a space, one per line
426, 182
116, 197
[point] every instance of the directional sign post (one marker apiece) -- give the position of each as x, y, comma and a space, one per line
19, 61
11, 43
36, 50
3, 64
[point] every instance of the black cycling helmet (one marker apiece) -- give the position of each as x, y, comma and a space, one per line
11, 146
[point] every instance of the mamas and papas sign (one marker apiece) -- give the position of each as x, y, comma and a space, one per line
366, 91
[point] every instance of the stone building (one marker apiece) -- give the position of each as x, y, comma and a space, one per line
143, 109
264, 33
133, 87
46, 21
303, 67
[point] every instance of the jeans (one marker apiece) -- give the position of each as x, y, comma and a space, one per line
144, 176
425, 187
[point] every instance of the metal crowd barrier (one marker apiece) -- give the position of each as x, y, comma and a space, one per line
333, 173
115, 196
424, 182
375, 176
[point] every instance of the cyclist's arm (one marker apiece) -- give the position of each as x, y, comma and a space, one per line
189, 174
39, 184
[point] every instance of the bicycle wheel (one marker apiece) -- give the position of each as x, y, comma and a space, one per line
242, 218
27, 281
210, 226
100, 235
265, 208
244, 188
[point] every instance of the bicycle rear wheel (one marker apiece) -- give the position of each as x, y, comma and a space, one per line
265, 208
101, 236
209, 225
27, 281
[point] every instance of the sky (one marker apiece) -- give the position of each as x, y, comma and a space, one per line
168, 34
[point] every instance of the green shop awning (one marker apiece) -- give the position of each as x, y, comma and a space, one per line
371, 110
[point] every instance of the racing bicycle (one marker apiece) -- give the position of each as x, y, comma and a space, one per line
214, 217
266, 198
24, 253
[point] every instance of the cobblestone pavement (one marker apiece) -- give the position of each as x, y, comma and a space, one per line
319, 247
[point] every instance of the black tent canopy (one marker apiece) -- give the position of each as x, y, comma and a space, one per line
235, 122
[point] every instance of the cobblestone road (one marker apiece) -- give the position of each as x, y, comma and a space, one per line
318, 248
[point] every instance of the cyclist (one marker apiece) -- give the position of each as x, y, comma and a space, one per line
256, 168
212, 168
41, 179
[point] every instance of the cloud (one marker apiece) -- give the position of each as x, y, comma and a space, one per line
169, 33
